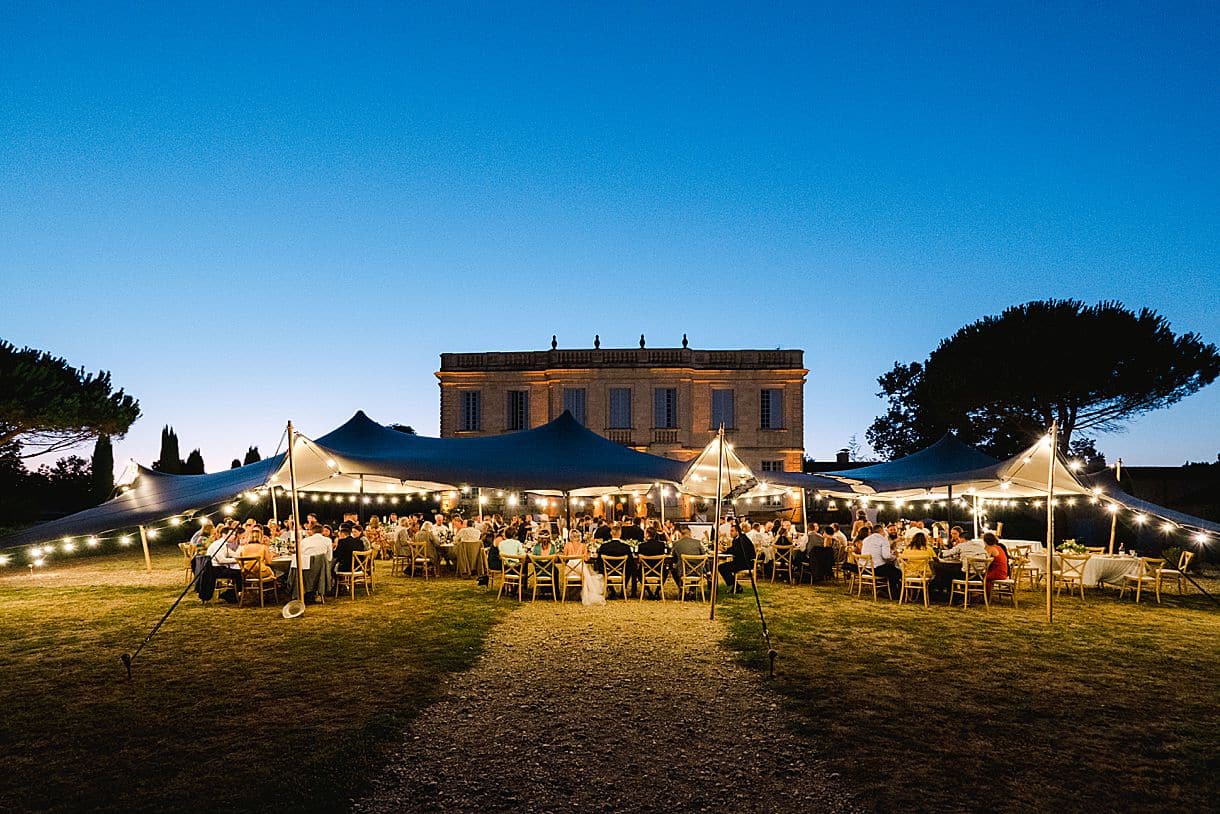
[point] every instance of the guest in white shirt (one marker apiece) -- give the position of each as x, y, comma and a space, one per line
878, 546
316, 543
967, 548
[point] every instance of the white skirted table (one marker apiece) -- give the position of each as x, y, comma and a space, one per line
1100, 568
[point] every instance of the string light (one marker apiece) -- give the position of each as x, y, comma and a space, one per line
92, 542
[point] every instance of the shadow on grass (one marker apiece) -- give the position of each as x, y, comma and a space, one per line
229, 709
1115, 707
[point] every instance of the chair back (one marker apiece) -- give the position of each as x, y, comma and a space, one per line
1184, 560
915, 569
694, 566
544, 567
1149, 565
652, 570
783, 556
189, 550
865, 563
999, 530
1072, 565
975, 568
362, 562
513, 567
614, 569
251, 567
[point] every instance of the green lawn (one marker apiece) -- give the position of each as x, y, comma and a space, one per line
228, 708
1114, 708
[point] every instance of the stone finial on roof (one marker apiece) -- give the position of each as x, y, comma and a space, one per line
597, 341
684, 342
554, 342
641, 340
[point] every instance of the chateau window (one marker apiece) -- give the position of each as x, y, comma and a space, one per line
518, 410
574, 402
771, 409
620, 408
472, 411
665, 408
722, 409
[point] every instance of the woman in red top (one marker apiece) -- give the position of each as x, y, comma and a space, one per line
999, 560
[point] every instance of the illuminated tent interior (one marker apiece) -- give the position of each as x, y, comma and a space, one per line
364, 457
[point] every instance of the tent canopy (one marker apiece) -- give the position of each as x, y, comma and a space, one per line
364, 456
933, 468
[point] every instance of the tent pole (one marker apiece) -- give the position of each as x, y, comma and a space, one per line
296, 513
275, 514
976, 517
567, 513
480, 489
950, 508
144, 543
1118, 476
804, 513
716, 528
360, 502
661, 500
1050, 524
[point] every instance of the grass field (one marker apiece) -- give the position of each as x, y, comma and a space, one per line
228, 708
1114, 708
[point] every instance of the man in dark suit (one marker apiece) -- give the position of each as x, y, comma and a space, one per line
603, 531
651, 547
615, 547
742, 550
632, 531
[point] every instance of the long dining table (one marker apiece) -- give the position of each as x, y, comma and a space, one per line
1099, 569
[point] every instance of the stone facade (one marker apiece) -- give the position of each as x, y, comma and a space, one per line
677, 423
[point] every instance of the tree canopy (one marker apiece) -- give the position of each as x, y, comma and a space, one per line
48, 405
170, 459
1000, 382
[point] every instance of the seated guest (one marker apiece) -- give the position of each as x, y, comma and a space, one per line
575, 548
615, 547
998, 569
878, 546
685, 544
961, 547
741, 548
651, 547
631, 532
510, 546
467, 543
916, 558
315, 543
862, 533
256, 546
351, 540
202, 538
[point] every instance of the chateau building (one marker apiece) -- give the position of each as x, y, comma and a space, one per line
667, 401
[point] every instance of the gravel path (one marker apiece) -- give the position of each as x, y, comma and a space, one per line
630, 706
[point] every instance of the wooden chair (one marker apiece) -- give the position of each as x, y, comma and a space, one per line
512, 576
1008, 587
782, 563
491, 573
1178, 573
360, 574
915, 577
400, 558
743, 577
999, 530
1095, 549
1145, 575
189, 550
973, 581
421, 559
851, 574
614, 569
694, 575
254, 582
652, 575
868, 576
1071, 573
571, 575
545, 574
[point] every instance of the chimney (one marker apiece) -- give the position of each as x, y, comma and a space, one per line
843, 456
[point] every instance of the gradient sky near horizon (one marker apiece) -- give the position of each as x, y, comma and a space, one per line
250, 214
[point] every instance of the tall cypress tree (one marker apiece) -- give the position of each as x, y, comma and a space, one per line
235, 465
252, 456
193, 464
169, 461
103, 469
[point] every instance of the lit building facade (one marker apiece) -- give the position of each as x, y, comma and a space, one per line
667, 401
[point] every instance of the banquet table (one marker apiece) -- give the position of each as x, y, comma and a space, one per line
1034, 546
1099, 569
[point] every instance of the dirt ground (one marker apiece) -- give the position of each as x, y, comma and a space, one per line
628, 706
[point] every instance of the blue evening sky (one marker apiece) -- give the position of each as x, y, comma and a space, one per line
255, 215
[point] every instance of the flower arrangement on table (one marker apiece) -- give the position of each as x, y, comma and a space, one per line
1070, 547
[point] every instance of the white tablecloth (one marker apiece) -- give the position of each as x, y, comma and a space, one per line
1035, 546
1099, 568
